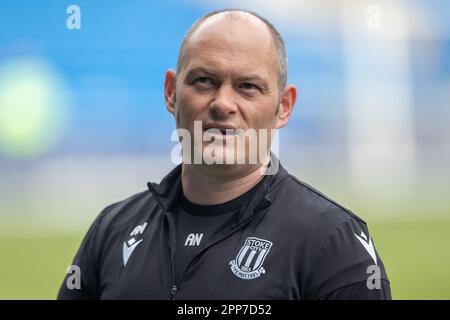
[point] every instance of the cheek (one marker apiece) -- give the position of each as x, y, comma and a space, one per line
261, 115
188, 106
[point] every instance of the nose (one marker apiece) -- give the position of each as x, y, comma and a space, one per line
223, 104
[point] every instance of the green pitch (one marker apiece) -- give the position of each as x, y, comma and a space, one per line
415, 253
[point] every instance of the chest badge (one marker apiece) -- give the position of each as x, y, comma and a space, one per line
249, 260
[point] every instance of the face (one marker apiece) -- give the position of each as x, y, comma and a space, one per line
228, 80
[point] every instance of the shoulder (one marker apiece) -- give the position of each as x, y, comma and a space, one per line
333, 245
304, 204
131, 204
311, 217
121, 213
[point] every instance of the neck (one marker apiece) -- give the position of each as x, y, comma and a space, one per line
214, 184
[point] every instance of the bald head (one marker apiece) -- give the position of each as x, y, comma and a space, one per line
231, 23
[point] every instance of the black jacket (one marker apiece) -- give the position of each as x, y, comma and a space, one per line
288, 242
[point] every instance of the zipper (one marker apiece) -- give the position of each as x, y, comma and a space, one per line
173, 291
170, 222
172, 249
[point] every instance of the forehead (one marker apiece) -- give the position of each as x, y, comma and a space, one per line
242, 44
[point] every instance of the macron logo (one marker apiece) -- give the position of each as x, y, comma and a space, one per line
368, 245
128, 248
130, 245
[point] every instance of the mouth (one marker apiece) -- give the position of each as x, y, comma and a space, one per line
215, 128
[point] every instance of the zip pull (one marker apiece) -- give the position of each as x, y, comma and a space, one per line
173, 291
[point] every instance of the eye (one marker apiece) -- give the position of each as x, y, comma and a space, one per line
249, 86
204, 80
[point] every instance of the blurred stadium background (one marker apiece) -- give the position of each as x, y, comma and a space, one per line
83, 123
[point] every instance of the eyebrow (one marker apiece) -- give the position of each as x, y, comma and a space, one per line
203, 70
210, 72
252, 77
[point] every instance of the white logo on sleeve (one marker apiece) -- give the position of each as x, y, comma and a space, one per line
138, 230
193, 239
130, 245
368, 245
128, 248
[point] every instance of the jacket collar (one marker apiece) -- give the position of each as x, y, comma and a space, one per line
168, 191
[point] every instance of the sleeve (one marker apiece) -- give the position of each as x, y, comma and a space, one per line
359, 291
81, 281
348, 267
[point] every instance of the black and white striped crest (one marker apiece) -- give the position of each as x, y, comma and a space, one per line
252, 254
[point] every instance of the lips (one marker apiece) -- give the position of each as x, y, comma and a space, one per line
225, 129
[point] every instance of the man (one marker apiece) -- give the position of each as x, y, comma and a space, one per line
228, 230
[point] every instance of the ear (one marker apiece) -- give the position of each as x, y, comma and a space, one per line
169, 90
286, 106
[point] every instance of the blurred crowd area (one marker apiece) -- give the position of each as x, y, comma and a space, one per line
83, 121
